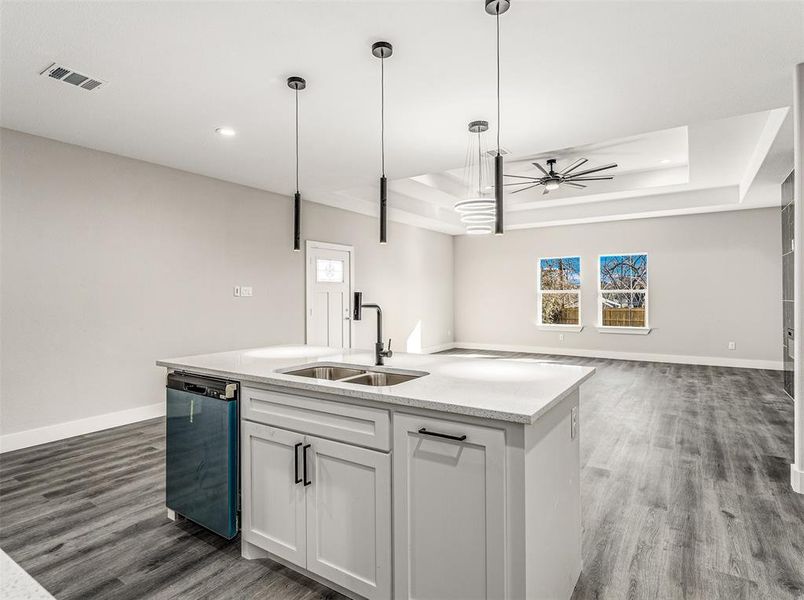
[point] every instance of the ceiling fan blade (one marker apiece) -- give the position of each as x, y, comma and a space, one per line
588, 178
526, 188
596, 169
522, 177
573, 166
536, 182
541, 168
578, 185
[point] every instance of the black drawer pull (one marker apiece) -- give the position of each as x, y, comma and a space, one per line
304, 452
457, 438
296, 463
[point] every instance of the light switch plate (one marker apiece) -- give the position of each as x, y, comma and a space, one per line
574, 420
237, 290
245, 290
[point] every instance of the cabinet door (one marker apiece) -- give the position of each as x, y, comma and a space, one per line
449, 510
273, 503
349, 517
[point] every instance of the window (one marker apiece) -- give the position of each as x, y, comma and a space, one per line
624, 290
328, 271
560, 291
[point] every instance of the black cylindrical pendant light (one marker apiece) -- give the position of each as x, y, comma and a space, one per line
383, 209
296, 84
496, 8
383, 50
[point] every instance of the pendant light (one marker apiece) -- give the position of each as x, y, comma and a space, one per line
382, 50
477, 208
296, 84
496, 8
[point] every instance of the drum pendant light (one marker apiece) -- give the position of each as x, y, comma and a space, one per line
496, 8
382, 50
296, 84
477, 208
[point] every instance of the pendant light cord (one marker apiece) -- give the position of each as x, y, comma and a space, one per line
382, 113
497, 16
297, 140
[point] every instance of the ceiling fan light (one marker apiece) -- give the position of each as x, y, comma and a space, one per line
551, 185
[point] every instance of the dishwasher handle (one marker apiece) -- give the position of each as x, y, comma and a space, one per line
195, 388
211, 387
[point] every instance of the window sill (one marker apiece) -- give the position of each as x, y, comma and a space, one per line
562, 328
624, 330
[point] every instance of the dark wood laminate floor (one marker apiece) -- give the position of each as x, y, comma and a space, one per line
685, 484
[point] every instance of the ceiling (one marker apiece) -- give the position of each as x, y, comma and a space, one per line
612, 81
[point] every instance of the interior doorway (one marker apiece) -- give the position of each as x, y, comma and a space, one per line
328, 310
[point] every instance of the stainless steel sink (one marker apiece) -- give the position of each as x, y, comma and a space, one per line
355, 374
378, 378
330, 373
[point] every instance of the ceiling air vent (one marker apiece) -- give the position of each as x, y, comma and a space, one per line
68, 75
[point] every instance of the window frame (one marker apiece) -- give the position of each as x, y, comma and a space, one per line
329, 260
645, 329
539, 292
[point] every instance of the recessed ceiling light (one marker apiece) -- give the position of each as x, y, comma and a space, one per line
665, 161
226, 131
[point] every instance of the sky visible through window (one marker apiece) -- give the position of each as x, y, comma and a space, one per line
561, 273
559, 285
623, 283
624, 272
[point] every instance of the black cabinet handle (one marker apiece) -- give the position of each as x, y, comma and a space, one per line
304, 453
296, 463
457, 438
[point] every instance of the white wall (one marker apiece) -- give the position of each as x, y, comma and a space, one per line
410, 277
109, 263
797, 468
714, 278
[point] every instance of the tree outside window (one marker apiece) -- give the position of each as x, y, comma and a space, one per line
624, 290
560, 291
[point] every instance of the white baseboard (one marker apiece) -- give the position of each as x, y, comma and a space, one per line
60, 431
714, 361
438, 348
797, 479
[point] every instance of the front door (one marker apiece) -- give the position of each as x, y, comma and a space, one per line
329, 288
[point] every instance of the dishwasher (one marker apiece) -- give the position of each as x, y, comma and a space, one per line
201, 457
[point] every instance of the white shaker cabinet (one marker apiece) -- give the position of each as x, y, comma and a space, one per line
412, 504
321, 505
273, 508
349, 517
449, 510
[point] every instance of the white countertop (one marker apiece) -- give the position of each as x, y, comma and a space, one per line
16, 584
516, 390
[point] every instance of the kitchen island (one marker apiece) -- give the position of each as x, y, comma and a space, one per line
430, 477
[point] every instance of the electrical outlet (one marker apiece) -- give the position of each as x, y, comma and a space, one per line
574, 420
732, 346
245, 290
237, 290
560, 337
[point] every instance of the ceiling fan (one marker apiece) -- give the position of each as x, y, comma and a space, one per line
553, 179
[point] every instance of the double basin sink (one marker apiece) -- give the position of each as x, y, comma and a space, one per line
354, 374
